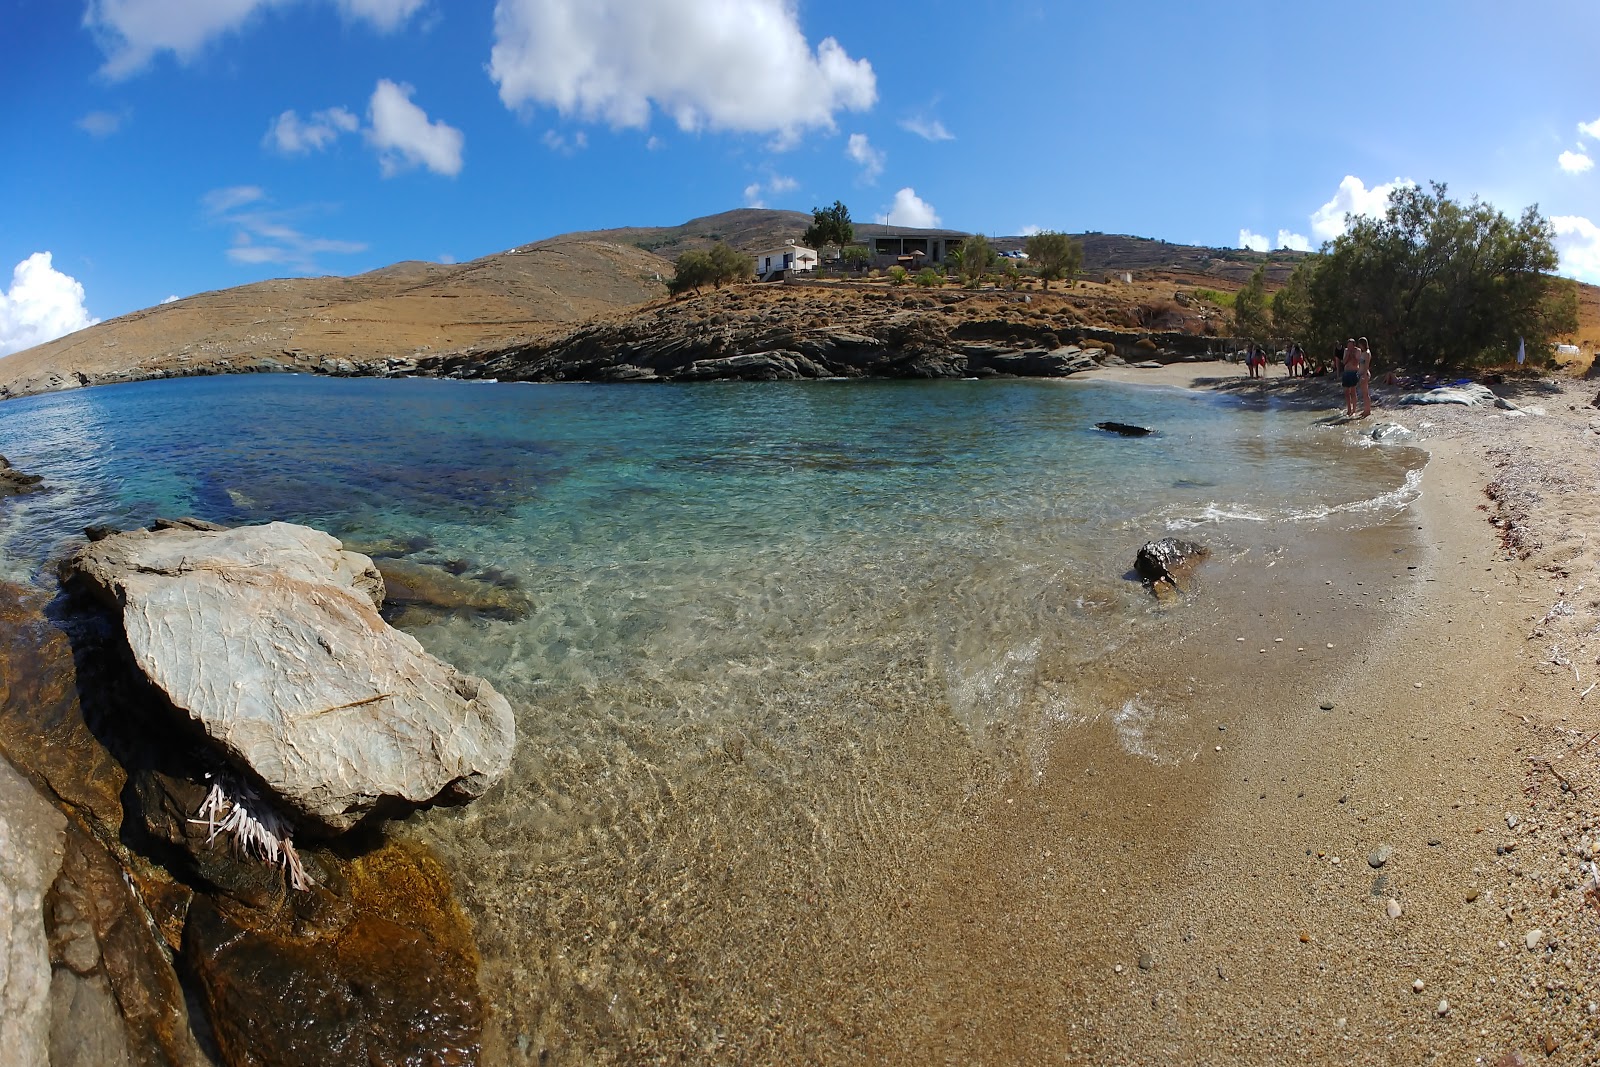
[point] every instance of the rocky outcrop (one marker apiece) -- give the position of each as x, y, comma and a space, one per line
268, 639
1124, 429
32, 840
14, 483
1167, 564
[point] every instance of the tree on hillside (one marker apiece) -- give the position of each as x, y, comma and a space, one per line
973, 259
1250, 307
1055, 256
1291, 305
728, 265
830, 226
717, 267
1441, 281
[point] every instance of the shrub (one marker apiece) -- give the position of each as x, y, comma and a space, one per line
897, 275
929, 278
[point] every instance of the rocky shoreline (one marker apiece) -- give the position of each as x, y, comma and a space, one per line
158, 909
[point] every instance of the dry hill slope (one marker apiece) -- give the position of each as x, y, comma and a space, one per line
396, 313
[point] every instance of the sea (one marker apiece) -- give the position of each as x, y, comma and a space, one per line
786, 641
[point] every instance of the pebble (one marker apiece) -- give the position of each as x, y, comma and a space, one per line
1239, 639
1219, 748
1117, 968
1550, 1045
1443, 1009
1327, 705
1392, 908
1277, 640
1330, 644
1472, 894
1416, 685
1146, 962
1533, 938
1434, 842
1418, 986
1380, 856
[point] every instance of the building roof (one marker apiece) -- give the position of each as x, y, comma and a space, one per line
875, 230
784, 248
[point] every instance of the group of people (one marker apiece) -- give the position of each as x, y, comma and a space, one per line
1353, 361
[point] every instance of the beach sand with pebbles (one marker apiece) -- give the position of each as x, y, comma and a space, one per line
1379, 851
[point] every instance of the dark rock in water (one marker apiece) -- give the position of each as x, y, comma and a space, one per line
383, 972
186, 524
418, 592
14, 483
1123, 428
100, 531
1168, 560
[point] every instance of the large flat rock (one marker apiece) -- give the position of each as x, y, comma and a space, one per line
269, 639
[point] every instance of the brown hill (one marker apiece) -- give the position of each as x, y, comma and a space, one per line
396, 313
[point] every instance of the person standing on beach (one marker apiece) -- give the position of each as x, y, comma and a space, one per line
1351, 378
1366, 378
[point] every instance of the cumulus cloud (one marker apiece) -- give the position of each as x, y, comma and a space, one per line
41, 305
927, 129
1578, 242
1353, 198
102, 123
909, 209
263, 235
868, 158
173, 299
1574, 162
386, 15
1256, 242
404, 136
1297, 242
558, 142
776, 184
1590, 129
737, 65
293, 136
131, 33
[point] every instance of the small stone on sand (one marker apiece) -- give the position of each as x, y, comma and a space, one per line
1533, 938
1417, 986
1392, 908
1443, 1009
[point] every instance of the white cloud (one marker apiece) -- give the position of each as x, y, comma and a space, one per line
911, 210
1574, 162
1298, 242
262, 235
1256, 242
558, 142
293, 137
173, 299
1590, 129
775, 185
1030, 230
102, 123
654, 144
739, 65
220, 201
42, 304
133, 32
386, 15
869, 159
404, 137
1578, 242
1353, 198
927, 129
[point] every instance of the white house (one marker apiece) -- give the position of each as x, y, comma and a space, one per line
788, 256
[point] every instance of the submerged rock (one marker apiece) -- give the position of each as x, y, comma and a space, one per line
1168, 561
269, 640
1124, 428
416, 592
385, 971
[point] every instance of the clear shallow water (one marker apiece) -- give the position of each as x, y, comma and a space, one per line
785, 638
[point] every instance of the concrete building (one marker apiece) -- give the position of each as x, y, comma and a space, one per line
786, 257
907, 246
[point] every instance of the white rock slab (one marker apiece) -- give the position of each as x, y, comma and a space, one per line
269, 639
32, 843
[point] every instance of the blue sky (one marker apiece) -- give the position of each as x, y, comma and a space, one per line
159, 148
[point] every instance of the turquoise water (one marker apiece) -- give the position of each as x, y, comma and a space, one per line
783, 634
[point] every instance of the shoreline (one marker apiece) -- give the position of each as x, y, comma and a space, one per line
1224, 910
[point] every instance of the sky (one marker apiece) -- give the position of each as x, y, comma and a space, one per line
154, 149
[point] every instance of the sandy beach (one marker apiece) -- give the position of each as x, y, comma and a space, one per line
1380, 858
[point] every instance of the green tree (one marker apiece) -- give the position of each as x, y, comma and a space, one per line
856, 256
1291, 305
728, 265
1055, 256
973, 259
830, 226
1436, 280
694, 270
1250, 307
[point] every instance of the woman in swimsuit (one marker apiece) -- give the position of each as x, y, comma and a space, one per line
1352, 376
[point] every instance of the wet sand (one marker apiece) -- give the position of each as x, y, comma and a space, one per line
1354, 864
